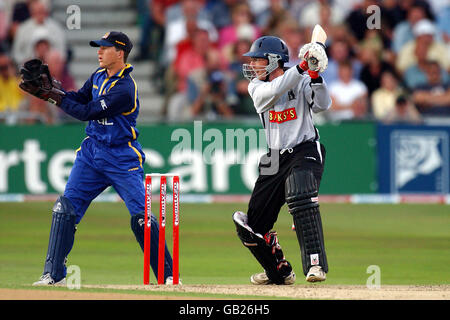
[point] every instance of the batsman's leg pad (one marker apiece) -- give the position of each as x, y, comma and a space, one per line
265, 249
61, 239
302, 200
137, 225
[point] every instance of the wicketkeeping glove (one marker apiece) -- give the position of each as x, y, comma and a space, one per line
37, 81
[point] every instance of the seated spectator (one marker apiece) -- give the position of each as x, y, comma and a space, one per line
310, 15
358, 17
189, 60
339, 53
434, 97
22, 45
276, 13
238, 97
415, 75
208, 89
294, 37
384, 98
403, 31
220, 12
242, 27
373, 68
349, 96
175, 28
424, 31
11, 97
403, 112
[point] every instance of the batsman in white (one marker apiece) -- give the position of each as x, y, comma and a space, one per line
292, 170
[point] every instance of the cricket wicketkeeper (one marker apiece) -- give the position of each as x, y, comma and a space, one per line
284, 100
110, 155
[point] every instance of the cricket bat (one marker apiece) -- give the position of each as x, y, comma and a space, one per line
319, 36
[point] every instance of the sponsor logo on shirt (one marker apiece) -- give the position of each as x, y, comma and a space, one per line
282, 116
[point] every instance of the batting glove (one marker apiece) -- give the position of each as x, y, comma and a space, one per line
303, 56
317, 58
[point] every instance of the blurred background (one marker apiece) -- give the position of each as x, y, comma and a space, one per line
387, 131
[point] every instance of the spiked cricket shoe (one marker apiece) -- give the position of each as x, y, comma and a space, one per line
316, 274
47, 280
263, 279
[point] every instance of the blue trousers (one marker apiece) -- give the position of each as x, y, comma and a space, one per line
97, 167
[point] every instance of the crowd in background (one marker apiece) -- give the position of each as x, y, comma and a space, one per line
28, 31
396, 71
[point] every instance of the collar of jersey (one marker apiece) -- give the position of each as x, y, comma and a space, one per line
128, 68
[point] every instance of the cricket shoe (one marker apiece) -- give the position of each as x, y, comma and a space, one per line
263, 279
316, 274
169, 281
47, 280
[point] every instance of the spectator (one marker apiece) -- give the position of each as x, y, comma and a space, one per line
238, 97
153, 28
403, 112
175, 28
208, 89
189, 60
434, 97
403, 32
276, 13
294, 38
339, 53
358, 18
311, 14
373, 67
20, 13
349, 96
443, 23
424, 32
11, 97
241, 27
22, 45
220, 12
384, 98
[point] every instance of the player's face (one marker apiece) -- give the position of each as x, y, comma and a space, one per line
259, 65
108, 56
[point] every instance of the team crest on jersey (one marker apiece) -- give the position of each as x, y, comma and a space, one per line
291, 95
106, 35
282, 116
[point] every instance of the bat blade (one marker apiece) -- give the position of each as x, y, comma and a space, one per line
318, 35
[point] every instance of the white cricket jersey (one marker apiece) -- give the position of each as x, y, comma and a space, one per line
285, 105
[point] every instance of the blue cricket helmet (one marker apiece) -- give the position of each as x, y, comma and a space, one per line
268, 44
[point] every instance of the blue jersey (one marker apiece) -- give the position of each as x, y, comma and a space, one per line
110, 104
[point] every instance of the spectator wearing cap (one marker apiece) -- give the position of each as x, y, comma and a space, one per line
403, 32
424, 32
23, 42
403, 112
433, 98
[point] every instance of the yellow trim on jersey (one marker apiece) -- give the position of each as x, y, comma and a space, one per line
126, 67
134, 133
135, 99
101, 70
137, 152
101, 87
95, 86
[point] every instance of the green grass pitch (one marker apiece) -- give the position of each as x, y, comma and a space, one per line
410, 243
